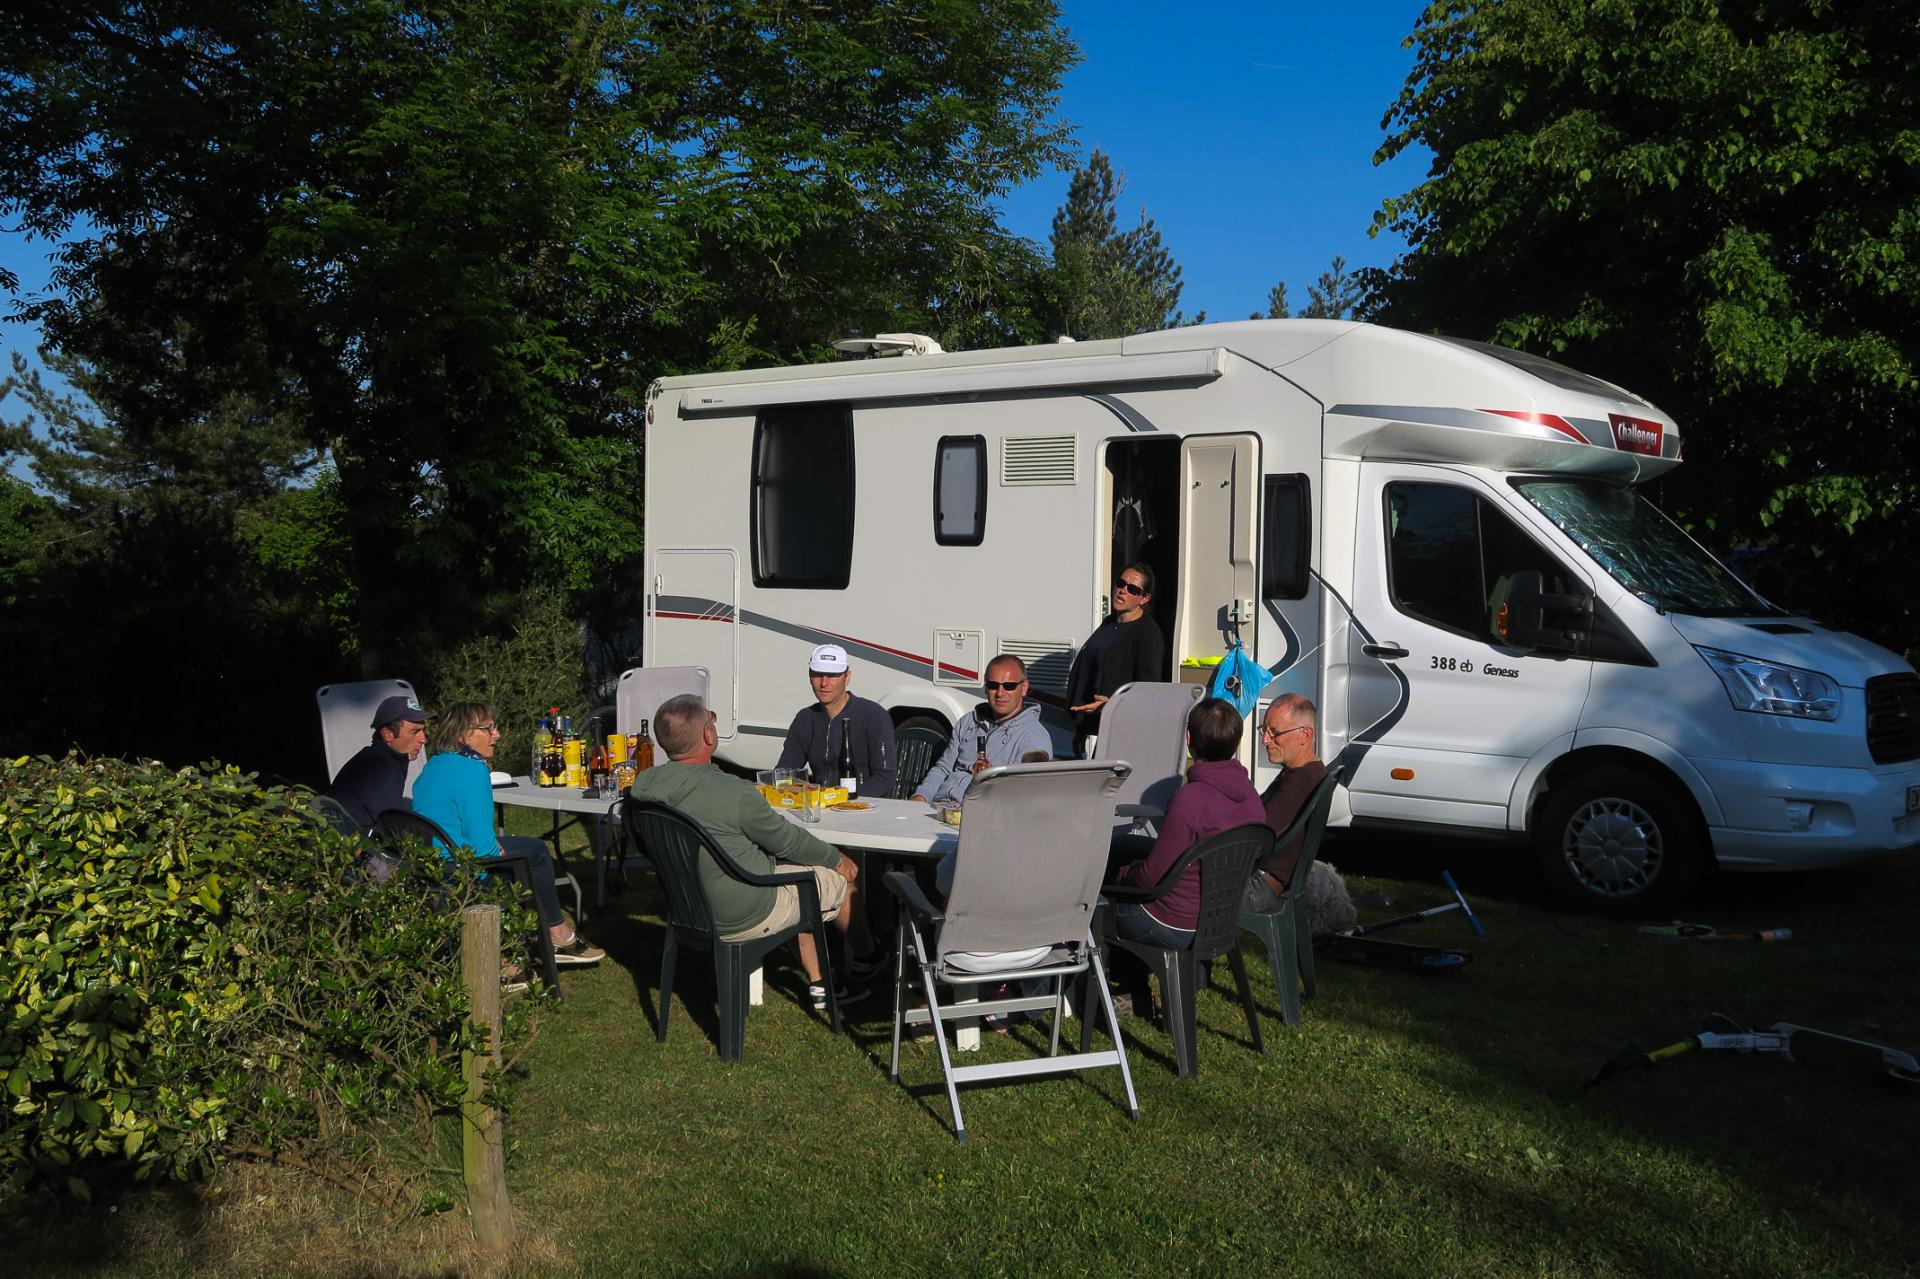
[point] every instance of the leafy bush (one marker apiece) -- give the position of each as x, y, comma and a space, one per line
190, 968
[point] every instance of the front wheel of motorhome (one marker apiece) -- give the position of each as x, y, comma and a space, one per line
1620, 842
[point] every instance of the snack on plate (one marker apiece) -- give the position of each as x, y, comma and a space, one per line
851, 806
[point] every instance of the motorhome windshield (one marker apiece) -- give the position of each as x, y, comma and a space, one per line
1642, 549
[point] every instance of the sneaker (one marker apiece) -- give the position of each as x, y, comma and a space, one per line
516, 979
842, 995
578, 951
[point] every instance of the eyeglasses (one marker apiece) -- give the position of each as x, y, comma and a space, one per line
488, 727
1124, 585
1273, 736
1005, 686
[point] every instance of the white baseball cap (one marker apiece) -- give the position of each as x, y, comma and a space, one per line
828, 659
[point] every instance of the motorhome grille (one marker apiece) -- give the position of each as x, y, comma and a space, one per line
1893, 718
1048, 662
1037, 459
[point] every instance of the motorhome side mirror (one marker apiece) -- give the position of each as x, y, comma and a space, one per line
1550, 622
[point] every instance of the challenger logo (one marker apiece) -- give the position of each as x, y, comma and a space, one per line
1636, 435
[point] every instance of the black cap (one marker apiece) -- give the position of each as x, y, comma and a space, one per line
398, 707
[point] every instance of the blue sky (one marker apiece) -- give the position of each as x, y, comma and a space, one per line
1247, 130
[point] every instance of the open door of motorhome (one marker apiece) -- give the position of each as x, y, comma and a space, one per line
1219, 528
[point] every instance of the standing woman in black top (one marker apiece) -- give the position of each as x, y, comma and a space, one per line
1124, 649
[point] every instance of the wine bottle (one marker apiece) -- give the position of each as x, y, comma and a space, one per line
849, 777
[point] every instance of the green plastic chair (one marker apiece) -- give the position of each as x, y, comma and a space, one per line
914, 750
1287, 932
675, 843
1222, 862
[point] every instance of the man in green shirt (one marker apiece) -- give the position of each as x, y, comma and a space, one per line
740, 821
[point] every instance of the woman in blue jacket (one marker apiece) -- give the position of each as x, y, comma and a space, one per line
455, 792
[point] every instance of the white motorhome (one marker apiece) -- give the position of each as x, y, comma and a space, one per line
1438, 541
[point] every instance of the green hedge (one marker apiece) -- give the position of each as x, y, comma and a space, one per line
190, 968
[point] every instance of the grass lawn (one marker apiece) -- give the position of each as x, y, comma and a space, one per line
1414, 1125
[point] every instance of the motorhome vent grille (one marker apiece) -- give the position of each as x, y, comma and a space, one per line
1037, 459
1048, 662
1893, 718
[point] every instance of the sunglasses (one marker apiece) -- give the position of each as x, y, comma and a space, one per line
1005, 686
1124, 585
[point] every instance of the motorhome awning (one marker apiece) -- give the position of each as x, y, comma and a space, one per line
917, 381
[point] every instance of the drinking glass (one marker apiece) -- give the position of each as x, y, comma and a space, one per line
813, 803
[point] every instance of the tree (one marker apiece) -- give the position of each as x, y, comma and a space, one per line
1716, 206
1276, 303
1336, 295
1109, 282
447, 246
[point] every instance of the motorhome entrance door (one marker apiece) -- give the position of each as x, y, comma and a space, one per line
1219, 528
695, 621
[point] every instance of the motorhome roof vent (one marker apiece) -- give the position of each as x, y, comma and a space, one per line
1037, 459
890, 344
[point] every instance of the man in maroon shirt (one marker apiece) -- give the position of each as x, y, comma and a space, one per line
1290, 735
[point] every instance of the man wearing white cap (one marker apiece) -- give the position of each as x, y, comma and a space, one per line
817, 733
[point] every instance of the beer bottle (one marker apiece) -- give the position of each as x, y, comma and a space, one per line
849, 777
643, 749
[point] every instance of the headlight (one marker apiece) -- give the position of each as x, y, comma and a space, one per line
1772, 689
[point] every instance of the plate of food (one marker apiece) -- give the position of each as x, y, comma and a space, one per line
851, 806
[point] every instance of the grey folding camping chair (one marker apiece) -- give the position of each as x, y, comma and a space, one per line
1146, 725
346, 721
1033, 850
642, 689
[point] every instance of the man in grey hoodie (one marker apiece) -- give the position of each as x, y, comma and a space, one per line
740, 821
1001, 730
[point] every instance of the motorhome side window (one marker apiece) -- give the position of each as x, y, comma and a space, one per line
1286, 538
803, 497
960, 490
1451, 557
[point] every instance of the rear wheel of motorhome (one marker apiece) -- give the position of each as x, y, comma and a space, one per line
1618, 841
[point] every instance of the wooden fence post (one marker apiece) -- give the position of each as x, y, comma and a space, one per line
482, 1135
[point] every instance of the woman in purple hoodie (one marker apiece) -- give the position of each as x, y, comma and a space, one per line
1218, 796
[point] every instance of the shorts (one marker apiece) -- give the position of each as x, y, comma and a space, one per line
832, 887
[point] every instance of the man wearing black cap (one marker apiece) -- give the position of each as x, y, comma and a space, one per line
375, 778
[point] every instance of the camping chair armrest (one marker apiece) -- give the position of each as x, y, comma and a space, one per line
1150, 812
903, 886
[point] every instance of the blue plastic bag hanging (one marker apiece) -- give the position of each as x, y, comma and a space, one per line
1239, 679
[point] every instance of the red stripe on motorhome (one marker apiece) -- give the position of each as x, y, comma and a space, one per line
960, 671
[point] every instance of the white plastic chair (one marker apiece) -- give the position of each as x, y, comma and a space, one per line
346, 721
